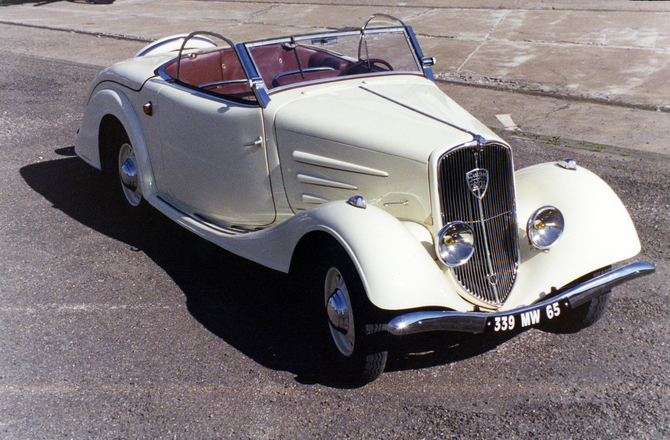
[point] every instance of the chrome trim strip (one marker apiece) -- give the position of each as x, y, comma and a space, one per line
475, 322
487, 248
327, 162
313, 199
319, 181
477, 139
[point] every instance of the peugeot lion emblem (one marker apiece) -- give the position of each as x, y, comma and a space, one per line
478, 181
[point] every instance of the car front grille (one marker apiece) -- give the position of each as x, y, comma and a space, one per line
489, 275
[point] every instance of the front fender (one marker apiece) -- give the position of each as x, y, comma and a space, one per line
598, 230
396, 270
109, 100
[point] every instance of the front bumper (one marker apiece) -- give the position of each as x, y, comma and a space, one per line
480, 322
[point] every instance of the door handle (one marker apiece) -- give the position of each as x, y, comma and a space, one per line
255, 143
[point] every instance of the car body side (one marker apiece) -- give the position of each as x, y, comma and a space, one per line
316, 153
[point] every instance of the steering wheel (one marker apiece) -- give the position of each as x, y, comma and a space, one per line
371, 62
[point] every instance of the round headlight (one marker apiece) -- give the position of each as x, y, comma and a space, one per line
455, 244
545, 227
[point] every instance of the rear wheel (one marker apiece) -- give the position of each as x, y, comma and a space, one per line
357, 352
129, 175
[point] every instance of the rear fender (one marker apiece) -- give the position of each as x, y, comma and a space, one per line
172, 45
598, 230
113, 102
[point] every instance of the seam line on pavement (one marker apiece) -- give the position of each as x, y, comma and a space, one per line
501, 87
75, 31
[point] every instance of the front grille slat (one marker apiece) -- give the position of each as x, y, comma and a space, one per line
458, 203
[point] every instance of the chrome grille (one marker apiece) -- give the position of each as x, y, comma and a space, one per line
489, 275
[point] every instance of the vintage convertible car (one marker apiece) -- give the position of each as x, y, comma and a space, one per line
335, 156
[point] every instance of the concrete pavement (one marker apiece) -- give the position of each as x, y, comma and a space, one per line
596, 73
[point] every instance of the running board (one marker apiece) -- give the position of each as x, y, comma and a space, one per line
195, 223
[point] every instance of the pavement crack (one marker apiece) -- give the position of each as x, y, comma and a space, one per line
561, 108
484, 41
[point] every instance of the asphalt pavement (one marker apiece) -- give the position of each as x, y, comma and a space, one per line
593, 75
114, 326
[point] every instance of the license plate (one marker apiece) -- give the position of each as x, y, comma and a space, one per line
524, 319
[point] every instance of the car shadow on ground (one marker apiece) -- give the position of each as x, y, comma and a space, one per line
252, 308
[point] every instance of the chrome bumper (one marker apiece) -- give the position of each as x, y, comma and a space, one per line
475, 322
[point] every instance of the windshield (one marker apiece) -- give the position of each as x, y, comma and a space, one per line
295, 60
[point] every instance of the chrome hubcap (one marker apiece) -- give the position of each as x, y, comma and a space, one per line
129, 175
339, 311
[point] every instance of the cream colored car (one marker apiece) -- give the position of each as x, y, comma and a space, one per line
336, 157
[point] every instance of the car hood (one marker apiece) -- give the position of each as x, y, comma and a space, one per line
406, 117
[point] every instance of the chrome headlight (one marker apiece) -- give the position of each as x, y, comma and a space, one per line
455, 244
545, 227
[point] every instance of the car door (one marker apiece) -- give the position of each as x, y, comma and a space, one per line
214, 157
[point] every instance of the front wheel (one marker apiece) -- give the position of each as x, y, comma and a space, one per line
586, 314
357, 350
583, 316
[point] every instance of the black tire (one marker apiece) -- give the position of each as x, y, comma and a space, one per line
115, 142
583, 316
595, 310
354, 356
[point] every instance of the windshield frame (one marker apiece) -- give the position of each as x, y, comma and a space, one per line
418, 67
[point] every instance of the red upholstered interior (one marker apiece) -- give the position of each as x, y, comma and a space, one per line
277, 65
200, 69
